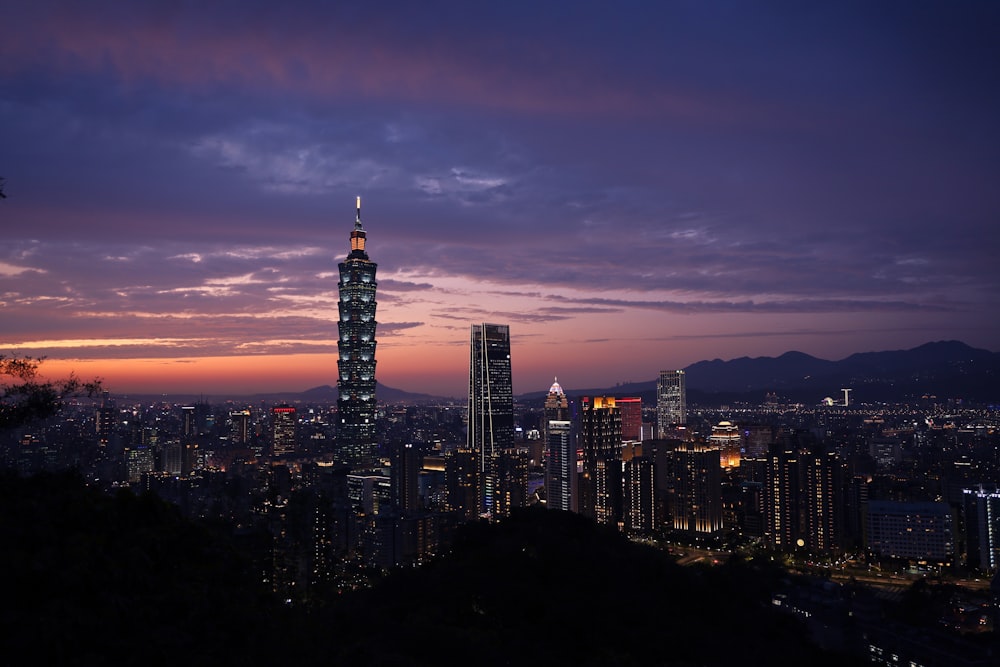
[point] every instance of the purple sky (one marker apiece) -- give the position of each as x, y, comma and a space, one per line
630, 186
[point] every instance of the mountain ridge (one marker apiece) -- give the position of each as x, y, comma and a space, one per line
949, 369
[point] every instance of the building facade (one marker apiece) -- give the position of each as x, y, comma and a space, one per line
601, 441
560, 465
631, 408
356, 405
284, 429
556, 408
491, 408
697, 485
982, 526
671, 401
911, 530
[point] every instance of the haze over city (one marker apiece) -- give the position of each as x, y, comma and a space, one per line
629, 187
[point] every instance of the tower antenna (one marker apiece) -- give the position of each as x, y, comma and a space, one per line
847, 395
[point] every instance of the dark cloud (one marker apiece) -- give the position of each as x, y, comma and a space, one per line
546, 165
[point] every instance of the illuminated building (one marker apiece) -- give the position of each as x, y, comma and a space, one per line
640, 495
982, 526
356, 353
560, 466
512, 480
726, 436
556, 408
697, 485
405, 474
671, 401
918, 530
239, 427
804, 496
462, 482
138, 460
107, 420
284, 426
782, 498
601, 440
823, 509
631, 418
491, 407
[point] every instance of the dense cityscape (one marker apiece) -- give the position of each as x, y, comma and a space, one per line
885, 518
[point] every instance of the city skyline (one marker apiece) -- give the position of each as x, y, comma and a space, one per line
631, 188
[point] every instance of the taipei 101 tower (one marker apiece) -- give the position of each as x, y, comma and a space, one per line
356, 361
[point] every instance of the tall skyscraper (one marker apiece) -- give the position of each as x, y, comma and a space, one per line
239, 426
560, 466
556, 408
356, 361
671, 401
491, 406
284, 426
601, 441
405, 474
823, 512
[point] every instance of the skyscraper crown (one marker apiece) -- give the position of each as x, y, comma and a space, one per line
358, 237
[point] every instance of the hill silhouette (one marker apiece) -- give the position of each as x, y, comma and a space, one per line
944, 369
550, 587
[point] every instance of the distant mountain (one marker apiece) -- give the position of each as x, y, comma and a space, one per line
327, 394
323, 394
946, 369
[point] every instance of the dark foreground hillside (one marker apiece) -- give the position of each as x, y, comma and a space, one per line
121, 580
125, 580
553, 588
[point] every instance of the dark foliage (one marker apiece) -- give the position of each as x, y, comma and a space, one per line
119, 580
29, 399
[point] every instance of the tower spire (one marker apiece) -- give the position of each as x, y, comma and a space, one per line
358, 236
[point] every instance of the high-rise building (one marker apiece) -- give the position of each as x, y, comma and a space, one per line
107, 420
671, 401
462, 483
560, 466
356, 359
405, 474
783, 497
823, 507
491, 407
631, 408
284, 425
805, 495
556, 408
601, 441
982, 525
239, 427
697, 485
726, 436
640, 495
512, 480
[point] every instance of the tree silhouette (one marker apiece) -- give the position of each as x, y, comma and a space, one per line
26, 398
